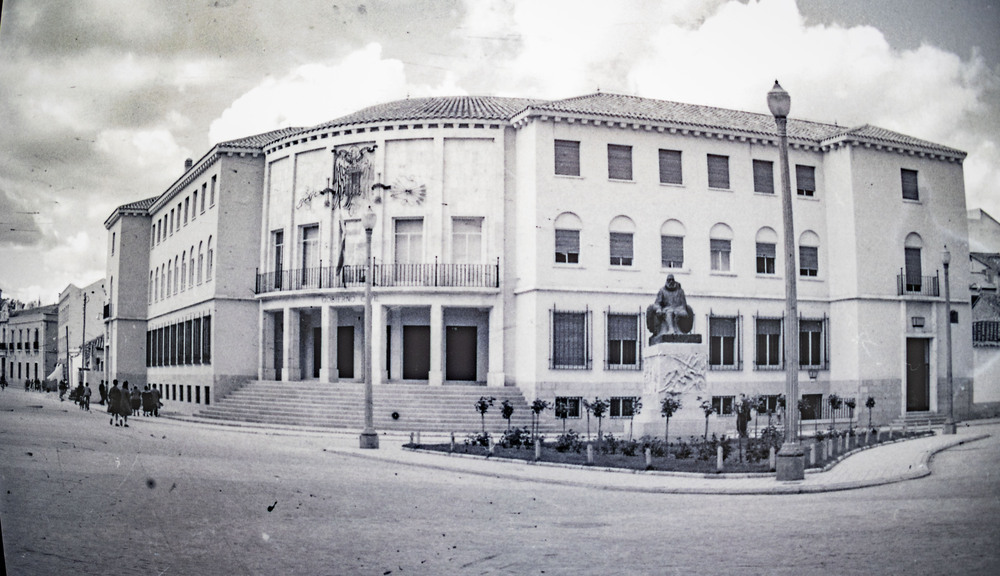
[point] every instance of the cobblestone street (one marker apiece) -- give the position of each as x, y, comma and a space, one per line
169, 497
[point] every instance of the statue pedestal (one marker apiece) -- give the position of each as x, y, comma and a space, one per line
678, 367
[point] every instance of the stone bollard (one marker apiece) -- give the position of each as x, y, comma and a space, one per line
418, 438
829, 449
538, 449
411, 438
812, 454
451, 447
590, 454
718, 459
649, 458
772, 460
928, 424
491, 445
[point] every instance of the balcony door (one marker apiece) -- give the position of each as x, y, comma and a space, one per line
918, 392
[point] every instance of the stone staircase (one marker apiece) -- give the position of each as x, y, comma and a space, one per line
919, 420
417, 407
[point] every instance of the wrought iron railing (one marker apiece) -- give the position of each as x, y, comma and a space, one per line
986, 333
907, 285
384, 275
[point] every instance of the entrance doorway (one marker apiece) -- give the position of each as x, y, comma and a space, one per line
416, 352
918, 392
317, 350
345, 352
460, 347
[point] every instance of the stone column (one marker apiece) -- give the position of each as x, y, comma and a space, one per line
436, 375
328, 322
290, 346
378, 345
495, 372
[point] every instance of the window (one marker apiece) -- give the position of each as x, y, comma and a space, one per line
768, 331
209, 261
194, 206
211, 198
567, 154
910, 190
718, 171
670, 167
187, 202
570, 406
672, 244
623, 342
720, 254
467, 240
149, 299
277, 254
409, 241
622, 407
914, 278
309, 254
177, 274
808, 261
171, 224
354, 243
567, 246
724, 405
170, 278
765, 258
621, 248
570, 340
184, 268
805, 180
619, 162
152, 235
201, 262
763, 176
723, 348
812, 344
112, 243
204, 196
191, 267
156, 286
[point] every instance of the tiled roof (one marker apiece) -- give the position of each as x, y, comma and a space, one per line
986, 307
260, 140
987, 259
651, 110
489, 108
138, 205
869, 132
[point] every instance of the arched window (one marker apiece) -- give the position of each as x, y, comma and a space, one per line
150, 297
622, 233
809, 253
156, 286
191, 267
913, 272
672, 244
170, 278
201, 262
177, 274
208, 265
767, 242
567, 237
184, 270
721, 247
163, 281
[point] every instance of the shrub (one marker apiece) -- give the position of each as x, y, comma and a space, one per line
630, 447
683, 449
477, 439
567, 441
707, 449
656, 446
516, 438
610, 444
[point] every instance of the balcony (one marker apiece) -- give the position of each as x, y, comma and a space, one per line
107, 311
909, 285
384, 275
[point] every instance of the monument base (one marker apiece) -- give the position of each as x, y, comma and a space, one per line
675, 339
677, 366
790, 464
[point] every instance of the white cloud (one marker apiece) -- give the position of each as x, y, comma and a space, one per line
314, 93
151, 151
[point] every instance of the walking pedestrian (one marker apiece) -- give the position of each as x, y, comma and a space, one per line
85, 403
125, 404
3, 381
156, 401
136, 400
103, 391
63, 387
114, 398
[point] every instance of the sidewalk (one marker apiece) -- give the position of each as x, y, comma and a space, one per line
883, 464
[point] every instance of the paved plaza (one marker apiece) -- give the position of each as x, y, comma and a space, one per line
167, 496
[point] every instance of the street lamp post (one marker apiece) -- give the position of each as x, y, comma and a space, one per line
949, 424
369, 438
790, 464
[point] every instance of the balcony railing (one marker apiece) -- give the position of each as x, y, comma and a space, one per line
907, 285
384, 275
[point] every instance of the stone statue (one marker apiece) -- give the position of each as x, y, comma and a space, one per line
669, 314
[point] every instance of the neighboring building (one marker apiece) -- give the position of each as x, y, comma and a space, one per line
984, 238
27, 342
80, 321
517, 243
185, 265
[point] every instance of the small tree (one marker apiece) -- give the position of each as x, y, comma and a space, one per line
598, 408
506, 411
636, 404
483, 405
759, 405
669, 406
562, 412
537, 407
851, 405
708, 409
835, 403
586, 408
803, 406
869, 404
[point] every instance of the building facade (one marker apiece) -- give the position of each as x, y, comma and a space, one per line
28, 342
81, 321
517, 243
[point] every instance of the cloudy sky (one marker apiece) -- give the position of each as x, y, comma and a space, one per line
102, 100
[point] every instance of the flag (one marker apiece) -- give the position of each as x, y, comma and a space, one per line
343, 245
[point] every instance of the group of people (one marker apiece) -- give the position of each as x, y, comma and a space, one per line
124, 402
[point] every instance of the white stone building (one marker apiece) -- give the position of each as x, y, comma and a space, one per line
517, 243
